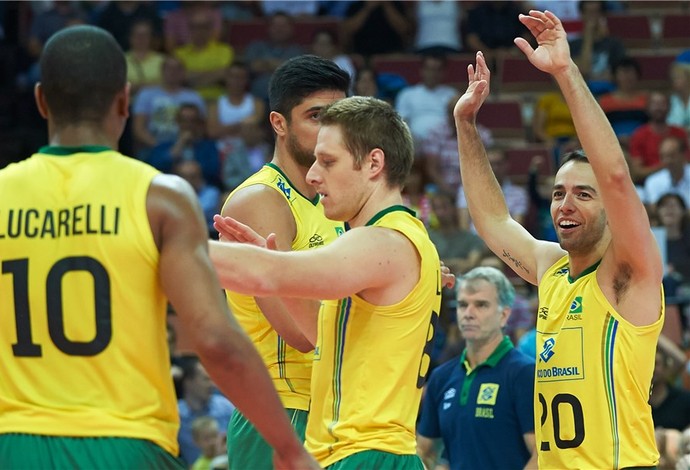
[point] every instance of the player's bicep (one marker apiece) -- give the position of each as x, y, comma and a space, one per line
185, 270
363, 258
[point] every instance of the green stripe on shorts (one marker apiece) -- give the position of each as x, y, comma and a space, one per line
30, 451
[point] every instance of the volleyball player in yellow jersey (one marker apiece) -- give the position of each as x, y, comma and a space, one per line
601, 303
383, 280
277, 199
91, 242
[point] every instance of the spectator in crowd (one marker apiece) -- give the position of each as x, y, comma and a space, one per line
438, 27
207, 194
626, 106
232, 114
416, 194
207, 437
492, 26
672, 214
376, 27
516, 196
199, 399
439, 153
366, 83
459, 249
264, 56
177, 30
246, 156
679, 113
190, 144
294, 8
645, 141
155, 108
670, 404
487, 395
205, 58
596, 52
552, 123
144, 62
424, 106
675, 174
324, 44
119, 17
540, 199
334, 8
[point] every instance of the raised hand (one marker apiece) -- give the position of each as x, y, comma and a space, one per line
230, 230
478, 77
447, 277
552, 54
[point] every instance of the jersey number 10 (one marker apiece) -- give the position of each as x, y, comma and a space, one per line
25, 346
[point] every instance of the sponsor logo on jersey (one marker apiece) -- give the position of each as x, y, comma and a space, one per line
487, 394
315, 240
450, 393
568, 364
547, 350
555, 372
575, 312
543, 312
561, 272
282, 185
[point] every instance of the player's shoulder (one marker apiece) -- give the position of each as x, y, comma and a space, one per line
166, 189
258, 195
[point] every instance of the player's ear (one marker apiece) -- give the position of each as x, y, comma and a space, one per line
278, 123
375, 162
122, 101
41, 103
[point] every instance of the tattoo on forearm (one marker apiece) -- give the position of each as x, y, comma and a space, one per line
518, 264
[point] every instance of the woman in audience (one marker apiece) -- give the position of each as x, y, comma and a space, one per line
144, 62
674, 217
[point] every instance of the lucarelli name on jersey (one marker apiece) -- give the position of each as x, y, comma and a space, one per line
83, 219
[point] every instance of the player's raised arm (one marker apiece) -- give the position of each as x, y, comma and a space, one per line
485, 200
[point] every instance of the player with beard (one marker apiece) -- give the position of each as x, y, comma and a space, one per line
601, 304
277, 199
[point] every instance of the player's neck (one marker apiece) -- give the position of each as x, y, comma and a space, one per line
80, 135
381, 198
296, 173
479, 351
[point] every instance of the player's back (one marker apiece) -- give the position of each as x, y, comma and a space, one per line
82, 314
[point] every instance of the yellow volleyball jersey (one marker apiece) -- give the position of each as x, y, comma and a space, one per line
371, 361
289, 368
593, 377
82, 315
